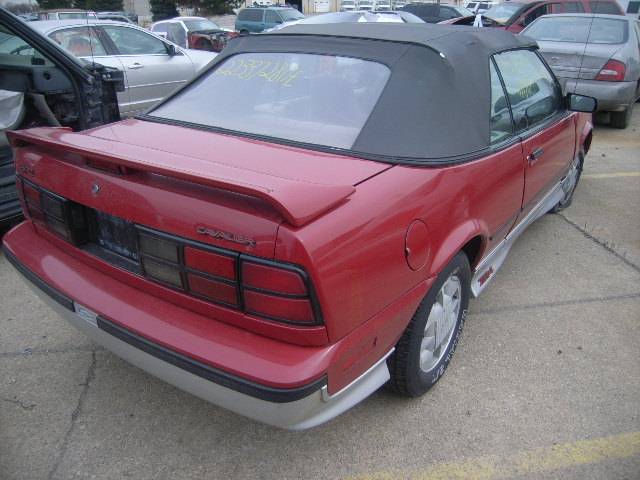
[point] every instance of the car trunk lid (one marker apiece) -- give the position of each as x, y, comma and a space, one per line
575, 60
238, 190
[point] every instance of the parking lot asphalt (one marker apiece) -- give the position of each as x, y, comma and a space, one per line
545, 383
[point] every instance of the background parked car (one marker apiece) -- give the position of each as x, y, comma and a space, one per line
366, 5
480, 7
595, 55
131, 16
153, 66
514, 16
358, 16
348, 5
434, 13
383, 5
258, 19
114, 17
66, 14
28, 17
43, 85
194, 32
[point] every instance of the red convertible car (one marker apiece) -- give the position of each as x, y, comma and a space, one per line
306, 220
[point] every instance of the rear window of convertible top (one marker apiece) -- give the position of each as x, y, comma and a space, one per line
316, 99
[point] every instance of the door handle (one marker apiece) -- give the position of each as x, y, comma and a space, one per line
535, 155
135, 66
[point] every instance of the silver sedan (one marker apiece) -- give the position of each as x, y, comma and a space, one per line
596, 55
153, 67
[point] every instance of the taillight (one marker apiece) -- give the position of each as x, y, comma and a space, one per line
272, 290
63, 217
262, 288
613, 71
277, 292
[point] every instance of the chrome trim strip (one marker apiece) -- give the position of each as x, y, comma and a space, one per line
495, 258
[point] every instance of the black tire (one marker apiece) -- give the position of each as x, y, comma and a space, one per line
568, 197
407, 377
244, 32
621, 119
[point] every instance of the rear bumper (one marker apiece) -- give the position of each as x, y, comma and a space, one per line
611, 96
300, 407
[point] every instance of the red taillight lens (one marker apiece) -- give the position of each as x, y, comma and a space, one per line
31, 195
291, 310
613, 71
277, 292
209, 262
213, 290
265, 277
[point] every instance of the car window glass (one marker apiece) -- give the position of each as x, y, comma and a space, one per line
176, 34
14, 50
579, 30
537, 12
500, 122
447, 13
271, 17
604, 7
429, 10
79, 41
289, 14
162, 28
315, 99
533, 94
573, 7
251, 15
130, 41
633, 7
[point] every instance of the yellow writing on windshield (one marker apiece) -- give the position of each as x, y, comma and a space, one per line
281, 73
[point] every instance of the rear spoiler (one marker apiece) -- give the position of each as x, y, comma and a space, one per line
297, 201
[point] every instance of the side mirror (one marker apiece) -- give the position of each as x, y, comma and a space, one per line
581, 103
171, 49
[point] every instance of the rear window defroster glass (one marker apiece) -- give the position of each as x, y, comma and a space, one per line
309, 98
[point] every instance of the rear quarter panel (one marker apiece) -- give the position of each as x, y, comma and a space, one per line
355, 254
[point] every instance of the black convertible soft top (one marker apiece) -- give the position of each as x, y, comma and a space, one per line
435, 107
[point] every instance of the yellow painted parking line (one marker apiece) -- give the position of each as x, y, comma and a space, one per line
612, 175
527, 462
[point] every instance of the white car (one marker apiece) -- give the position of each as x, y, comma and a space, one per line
383, 5
366, 5
480, 7
348, 6
153, 66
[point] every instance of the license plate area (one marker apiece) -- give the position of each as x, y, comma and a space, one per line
116, 235
86, 314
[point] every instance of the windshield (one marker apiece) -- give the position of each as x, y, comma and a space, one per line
578, 30
502, 13
75, 16
464, 12
196, 25
315, 99
290, 14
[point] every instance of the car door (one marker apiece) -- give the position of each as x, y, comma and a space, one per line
151, 72
271, 19
85, 42
541, 121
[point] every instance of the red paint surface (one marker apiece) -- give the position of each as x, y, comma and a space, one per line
354, 251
